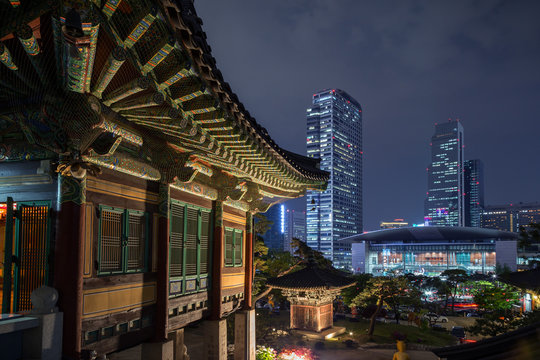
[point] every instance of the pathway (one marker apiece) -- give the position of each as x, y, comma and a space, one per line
371, 354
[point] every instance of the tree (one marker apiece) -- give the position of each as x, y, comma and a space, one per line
493, 298
530, 235
496, 323
277, 264
351, 292
383, 291
441, 287
455, 277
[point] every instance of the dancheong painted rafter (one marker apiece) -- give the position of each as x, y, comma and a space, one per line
143, 67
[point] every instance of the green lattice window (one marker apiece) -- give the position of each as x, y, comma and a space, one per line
190, 231
233, 247
123, 241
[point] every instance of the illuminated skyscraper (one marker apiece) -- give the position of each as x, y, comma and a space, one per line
273, 238
294, 225
474, 192
445, 201
334, 134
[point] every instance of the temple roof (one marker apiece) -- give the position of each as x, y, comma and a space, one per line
519, 344
142, 72
529, 279
311, 278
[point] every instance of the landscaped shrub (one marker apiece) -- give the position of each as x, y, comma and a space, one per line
398, 335
296, 354
349, 343
265, 353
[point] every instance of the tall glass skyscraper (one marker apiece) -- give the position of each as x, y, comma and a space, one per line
445, 201
334, 134
474, 192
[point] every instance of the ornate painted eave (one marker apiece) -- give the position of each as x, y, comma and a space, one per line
311, 278
139, 79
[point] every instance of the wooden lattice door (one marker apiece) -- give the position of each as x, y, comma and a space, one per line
31, 251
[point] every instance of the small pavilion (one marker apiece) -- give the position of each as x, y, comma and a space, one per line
311, 292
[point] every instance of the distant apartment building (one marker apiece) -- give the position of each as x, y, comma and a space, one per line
474, 192
396, 223
510, 217
444, 204
334, 135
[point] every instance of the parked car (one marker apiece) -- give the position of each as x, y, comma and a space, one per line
432, 317
458, 331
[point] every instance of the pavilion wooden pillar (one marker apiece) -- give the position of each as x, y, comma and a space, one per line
244, 321
162, 309
248, 262
216, 327
217, 259
68, 272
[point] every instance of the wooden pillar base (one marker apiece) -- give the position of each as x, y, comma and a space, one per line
216, 339
244, 335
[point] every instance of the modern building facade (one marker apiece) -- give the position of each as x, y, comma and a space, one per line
474, 192
273, 238
396, 223
444, 204
433, 249
294, 227
334, 134
510, 217
286, 224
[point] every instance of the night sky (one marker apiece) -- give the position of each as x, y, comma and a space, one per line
410, 64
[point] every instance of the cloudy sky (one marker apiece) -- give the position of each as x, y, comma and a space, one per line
410, 64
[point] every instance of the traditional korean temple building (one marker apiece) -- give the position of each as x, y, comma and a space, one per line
129, 175
529, 283
311, 292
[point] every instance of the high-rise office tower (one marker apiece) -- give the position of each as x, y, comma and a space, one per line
445, 201
474, 192
334, 134
273, 238
294, 226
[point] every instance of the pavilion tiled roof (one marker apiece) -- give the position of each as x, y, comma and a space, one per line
311, 278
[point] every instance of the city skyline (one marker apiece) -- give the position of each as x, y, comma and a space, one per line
410, 65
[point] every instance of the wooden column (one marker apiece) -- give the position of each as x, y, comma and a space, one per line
68, 269
248, 262
217, 259
8, 253
162, 309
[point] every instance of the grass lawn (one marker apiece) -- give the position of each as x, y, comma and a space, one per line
383, 333
266, 324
